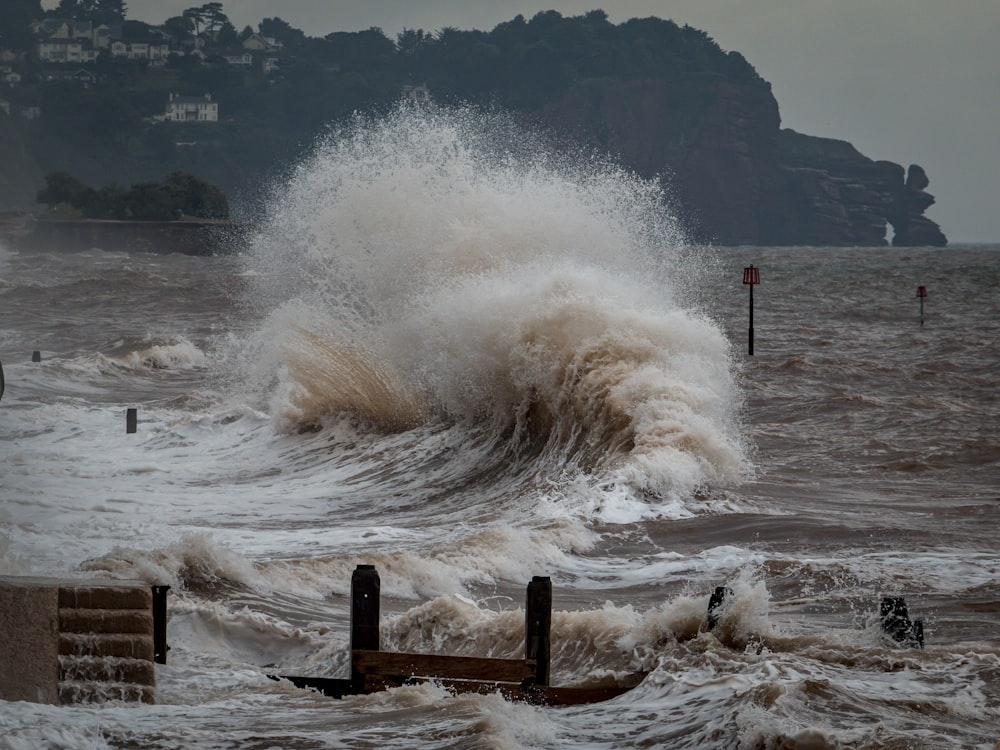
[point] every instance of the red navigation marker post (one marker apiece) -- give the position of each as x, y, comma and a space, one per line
922, 295
751, 277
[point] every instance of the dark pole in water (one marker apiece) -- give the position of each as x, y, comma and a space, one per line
160, 646
36, 356
537, 625
131, 420
897, 625
751, 277
716, 602
366, 587
1, 380
922, 295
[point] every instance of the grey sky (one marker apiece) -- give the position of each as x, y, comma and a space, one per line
904, 80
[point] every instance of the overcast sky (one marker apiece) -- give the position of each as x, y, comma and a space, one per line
903, 80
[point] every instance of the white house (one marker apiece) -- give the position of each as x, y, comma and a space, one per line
240, 61
192, 109
417, 94
105, 34
63, 28
259, 43
155, 52
54, 50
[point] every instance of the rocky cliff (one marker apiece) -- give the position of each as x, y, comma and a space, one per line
736, 176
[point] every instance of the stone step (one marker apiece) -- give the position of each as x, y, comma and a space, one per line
104, 596
129, 645
111, 669
105, 621
100, 692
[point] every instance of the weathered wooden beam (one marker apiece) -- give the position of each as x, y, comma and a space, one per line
511, 690
331, 687
537, 625
366, 587
447, 667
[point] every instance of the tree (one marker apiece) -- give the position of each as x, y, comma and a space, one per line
151, 201
293, 39
197, 18
181, 30
227, 36
195, 197
409, 41
180, 194
108, 12
214, 18
73, 9
95, 11
61, 187
15, 24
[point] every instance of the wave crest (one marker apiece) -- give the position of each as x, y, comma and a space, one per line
453, 267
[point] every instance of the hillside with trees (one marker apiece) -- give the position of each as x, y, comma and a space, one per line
115, 101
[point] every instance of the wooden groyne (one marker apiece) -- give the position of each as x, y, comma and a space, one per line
524, 679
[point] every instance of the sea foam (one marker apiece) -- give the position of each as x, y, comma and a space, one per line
442, 265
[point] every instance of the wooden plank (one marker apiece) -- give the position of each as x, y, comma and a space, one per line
434, 665
574, 696
512, 691
328, 686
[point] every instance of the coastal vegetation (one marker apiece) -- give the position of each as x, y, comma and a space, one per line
662, 98
179, 196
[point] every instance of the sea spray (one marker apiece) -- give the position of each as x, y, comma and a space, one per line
442, 265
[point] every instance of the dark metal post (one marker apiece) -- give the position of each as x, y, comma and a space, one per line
922, 294
751, 277
131, 420
897, 625
366, 587
717, 601
537, 625
1, 380
36, 356
160, 646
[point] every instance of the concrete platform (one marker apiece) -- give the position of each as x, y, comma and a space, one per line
69, 641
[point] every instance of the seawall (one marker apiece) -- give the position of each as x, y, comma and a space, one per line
76, 235
68, 641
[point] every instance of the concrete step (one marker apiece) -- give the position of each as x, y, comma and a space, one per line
105, 620
104, 596
100, 692
128, 645
106, 669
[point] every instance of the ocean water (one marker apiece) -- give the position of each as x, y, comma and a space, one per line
468, 358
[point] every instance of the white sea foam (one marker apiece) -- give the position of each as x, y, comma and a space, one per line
439, 264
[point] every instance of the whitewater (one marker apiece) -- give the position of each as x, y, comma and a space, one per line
467, 355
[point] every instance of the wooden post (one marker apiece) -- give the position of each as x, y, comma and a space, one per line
537, 625
160, 646
131, 420
922, 295
751, 277
365, 589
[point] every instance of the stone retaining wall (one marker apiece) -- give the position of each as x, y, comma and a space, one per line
72, 641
